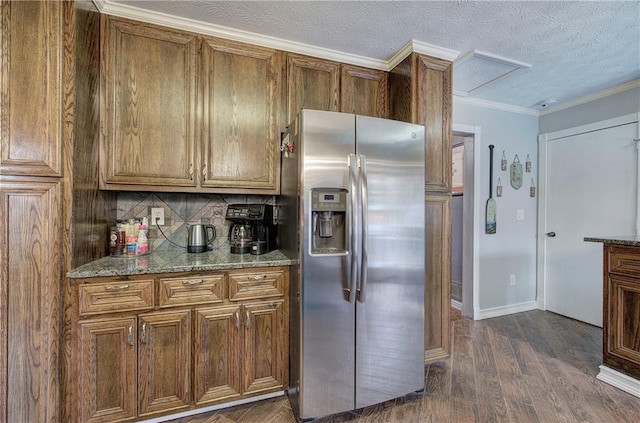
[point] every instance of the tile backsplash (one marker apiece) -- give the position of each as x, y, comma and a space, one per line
182, 209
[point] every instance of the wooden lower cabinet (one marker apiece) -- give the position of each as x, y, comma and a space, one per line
178, 351
239, 351
621, 317
107, 364
164, 362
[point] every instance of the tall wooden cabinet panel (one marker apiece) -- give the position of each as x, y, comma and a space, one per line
241, 99
148, 105
420, 92
107, 369
438, 276
313, 84
164, 375
29, 300
31, 36
363, 91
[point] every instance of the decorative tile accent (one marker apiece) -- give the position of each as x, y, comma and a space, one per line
181, 210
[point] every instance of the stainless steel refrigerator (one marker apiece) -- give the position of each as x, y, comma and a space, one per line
351, 214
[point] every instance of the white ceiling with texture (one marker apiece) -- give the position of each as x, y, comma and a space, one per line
575, 48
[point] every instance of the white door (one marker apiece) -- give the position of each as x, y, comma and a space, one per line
591, 190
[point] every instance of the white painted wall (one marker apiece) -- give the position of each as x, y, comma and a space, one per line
512, 250
612, 106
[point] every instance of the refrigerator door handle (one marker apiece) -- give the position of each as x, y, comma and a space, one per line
364, 195
353, 221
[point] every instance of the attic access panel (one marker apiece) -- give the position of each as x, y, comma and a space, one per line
476, 70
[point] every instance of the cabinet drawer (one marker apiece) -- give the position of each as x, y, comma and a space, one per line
114, 296
624, 261
191, 290
254, 285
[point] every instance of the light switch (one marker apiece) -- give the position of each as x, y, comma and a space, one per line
520, 214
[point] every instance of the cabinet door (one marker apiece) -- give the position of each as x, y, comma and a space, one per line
240, 101
148, 110
363, 91
437, 276
217, 354
263, 350
164, 361
434, 112
31, 76
29, 300
313, 84
107, 369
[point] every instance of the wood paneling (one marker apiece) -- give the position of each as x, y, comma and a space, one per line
363, 91
29, 299
241, 101
148, 104
313, 84
31, 86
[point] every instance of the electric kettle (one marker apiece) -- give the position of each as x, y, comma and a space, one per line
198, 239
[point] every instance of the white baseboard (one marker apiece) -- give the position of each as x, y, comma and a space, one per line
213, 407
619, 380
456, 304
488, 313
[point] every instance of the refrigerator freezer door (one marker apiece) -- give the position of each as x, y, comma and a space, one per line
390, 312
327, 321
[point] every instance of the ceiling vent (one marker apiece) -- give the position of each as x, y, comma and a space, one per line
476, 70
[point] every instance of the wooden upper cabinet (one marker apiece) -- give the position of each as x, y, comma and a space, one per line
149, 103
313, 84
363, 91
434, 110
241, 87
31, 87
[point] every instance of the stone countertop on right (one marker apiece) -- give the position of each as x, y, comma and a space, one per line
627, 240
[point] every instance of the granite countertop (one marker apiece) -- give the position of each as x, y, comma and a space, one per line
630, 241
176, 260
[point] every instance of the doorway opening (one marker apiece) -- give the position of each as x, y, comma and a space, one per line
464, 219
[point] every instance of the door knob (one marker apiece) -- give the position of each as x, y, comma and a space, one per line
551, 234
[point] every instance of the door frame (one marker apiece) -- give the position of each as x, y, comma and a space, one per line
543, 147
471, 224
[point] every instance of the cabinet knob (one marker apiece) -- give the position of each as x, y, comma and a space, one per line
551, 234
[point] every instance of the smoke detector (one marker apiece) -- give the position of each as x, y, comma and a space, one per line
545, 104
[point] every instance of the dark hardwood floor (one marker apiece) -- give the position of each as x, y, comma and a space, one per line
528, 367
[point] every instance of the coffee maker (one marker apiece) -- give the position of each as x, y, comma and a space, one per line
254, 229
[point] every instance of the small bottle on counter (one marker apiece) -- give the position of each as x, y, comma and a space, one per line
143, 240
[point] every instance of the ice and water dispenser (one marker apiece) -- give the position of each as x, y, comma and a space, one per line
329, 214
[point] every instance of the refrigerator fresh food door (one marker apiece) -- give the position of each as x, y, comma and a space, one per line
327, 317
390, 306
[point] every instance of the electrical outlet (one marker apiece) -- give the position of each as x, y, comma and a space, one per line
512, 280
157, 216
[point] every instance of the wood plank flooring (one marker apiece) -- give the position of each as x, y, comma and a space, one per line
528, 367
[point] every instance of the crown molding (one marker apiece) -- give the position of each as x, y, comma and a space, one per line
130, 12
462, 99
592, 97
